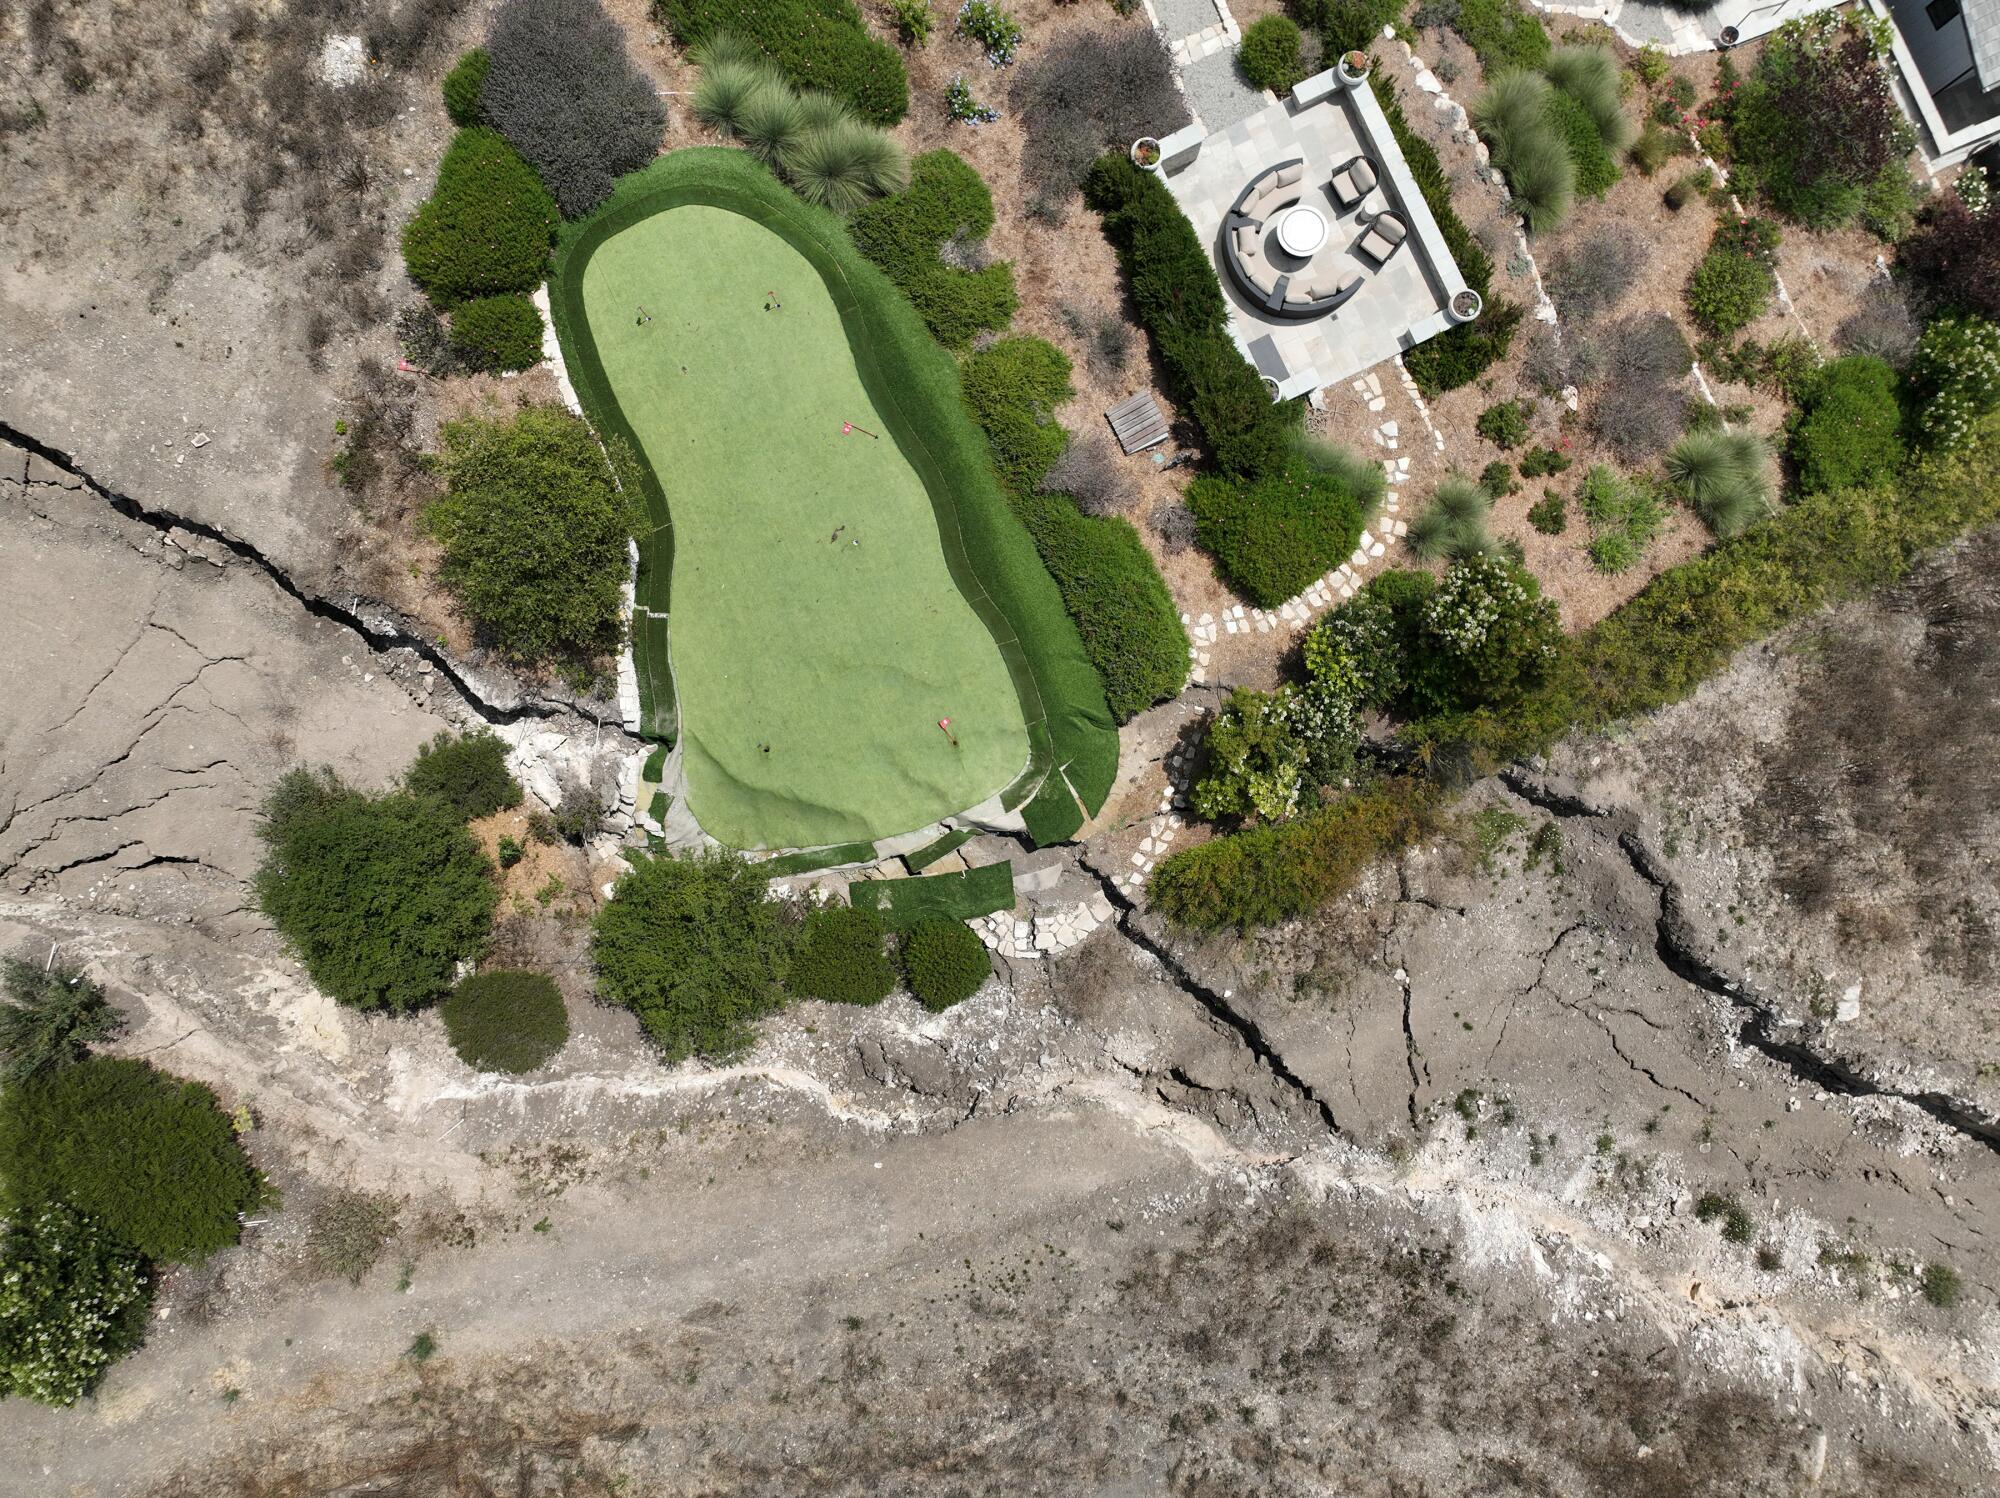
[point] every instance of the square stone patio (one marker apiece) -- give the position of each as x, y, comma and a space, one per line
1399, 304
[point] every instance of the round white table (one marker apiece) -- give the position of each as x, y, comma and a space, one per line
1301, 231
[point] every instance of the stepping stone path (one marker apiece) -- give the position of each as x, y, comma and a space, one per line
1046, 934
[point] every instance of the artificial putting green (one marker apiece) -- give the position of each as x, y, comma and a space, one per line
817, 633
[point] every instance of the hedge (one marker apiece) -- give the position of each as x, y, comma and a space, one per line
821, 44
506, 1021
462, 85
903, 233
485, 229
840, 959
915, 385
497, 333
1012, 390
1850, 430
151, 1156
1180, 301
1596, 168
944, 962
903, 902
1460, 354
1273, 536
1112, 588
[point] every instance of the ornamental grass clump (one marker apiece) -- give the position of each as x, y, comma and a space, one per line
725, 89
1528, 146
1722, 476
812, 138
1453, 524
1589, 75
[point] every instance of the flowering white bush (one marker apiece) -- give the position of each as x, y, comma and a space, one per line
1957, 373
1486, 633
72, 1302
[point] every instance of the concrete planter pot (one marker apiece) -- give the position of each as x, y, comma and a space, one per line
1354, 69
1466, 306
1146, 153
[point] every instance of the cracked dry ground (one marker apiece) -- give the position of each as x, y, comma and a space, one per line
1400, 1199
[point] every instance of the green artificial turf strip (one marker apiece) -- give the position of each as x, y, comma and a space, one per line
931, 852
811, 860
903, 902
913, 384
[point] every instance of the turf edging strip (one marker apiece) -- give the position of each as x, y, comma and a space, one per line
958, 897
914, 384
931, 852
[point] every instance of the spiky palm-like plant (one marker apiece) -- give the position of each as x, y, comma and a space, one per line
1589, 74
1453, 524
884, 166
723, 91
772, 122
1723, 476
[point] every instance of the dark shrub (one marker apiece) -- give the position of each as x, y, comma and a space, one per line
74, 1302
1112, 589
486, 229
150, 1156
946, 202
1505, 423
1955, 256
1013, 390
943, 962
1850, 433
468, 774
1092, 93
52, 1015
1348, 25
579, 813
1274, 535
534, 534
821, 44
692, 947
497, 333
839, 958
1639, 409
1269, 54
462, 85
561, 88
1587, 277
381, 898
506, 1021
1549, 514
1175, 525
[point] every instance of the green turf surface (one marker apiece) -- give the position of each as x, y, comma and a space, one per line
931, 852
903, 902
818, 636
913, 385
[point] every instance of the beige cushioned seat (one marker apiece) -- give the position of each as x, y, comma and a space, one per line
1322, 284
1354, 182
1383, 238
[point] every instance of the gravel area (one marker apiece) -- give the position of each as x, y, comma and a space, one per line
1218, 93
1183, 18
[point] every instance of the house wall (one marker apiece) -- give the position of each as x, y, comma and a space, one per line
1940, 55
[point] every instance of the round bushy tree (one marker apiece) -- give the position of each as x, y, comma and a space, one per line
497, 333
1956, 375
467, 774
1850, 433
1485, 635
944, 962
506, 1021
693, 948
840, 958
149, 1155
381, 898
487, 228
1270, 54
534, 532
73, 1301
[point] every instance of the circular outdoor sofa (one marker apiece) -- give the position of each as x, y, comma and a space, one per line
1307, 288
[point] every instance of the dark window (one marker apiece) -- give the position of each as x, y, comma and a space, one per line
1942, 13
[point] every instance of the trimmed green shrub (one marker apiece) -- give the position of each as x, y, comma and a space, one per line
1596, 167
1721, 474
150, 1156
1452, 523
534, 533
944, 962
1460, 354
52, 1015
1505, 423
692, 947
1730, 288
1179, 300
1269, 54
381, 898
946, 201
467, 774
1850, 431
506, 1021
497, 333
1503, 32
820, 44
1588, 73
73, 1301
1272, 536
486, 228
1013, 389
1113, 590
1274, 871
1955, 378
462, 85
1518, 115
839, 958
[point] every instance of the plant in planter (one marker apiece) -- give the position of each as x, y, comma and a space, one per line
1146, 152
1354, 65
